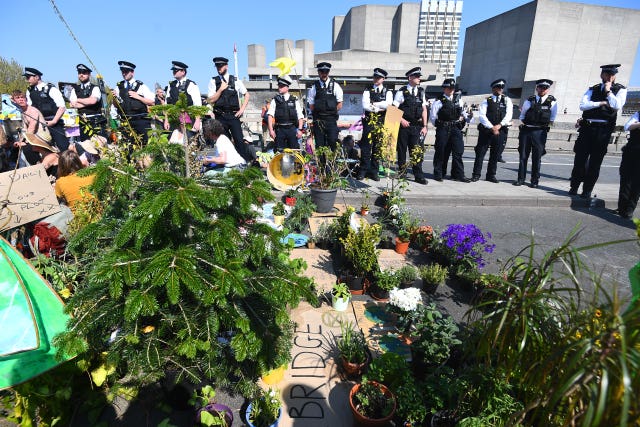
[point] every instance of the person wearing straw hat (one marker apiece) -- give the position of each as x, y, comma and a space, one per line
285, 118
134, 98
48, 154
224, 93
599, 105
375, 100
325, 100
48, 99
90, 149
86, 97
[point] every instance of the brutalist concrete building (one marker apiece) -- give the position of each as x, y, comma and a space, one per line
566, 42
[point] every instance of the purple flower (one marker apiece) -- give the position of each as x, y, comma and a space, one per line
467, 243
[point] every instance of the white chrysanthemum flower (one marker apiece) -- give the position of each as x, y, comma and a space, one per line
405, 299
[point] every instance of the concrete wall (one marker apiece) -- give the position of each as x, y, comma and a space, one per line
307, 47
405, 28
341, 30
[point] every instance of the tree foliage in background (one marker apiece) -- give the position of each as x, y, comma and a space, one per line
11, 76
181, 277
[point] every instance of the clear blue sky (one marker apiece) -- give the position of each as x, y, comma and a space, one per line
153, 33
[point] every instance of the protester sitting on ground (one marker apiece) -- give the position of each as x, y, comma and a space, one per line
88, 150
71, 188
225, 157
47, 154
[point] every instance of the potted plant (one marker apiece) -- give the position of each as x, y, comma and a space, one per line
423, 236
278, 213
433, 275
326, 177
407, 274
210, 413
311, 243
402, 241
364, 206
265, 410
290, 196
340, 296
298, 219
372, 403
353, 350
360, 251
405, 304
385, 281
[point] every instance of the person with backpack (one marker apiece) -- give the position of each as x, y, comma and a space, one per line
49, 101
224, 93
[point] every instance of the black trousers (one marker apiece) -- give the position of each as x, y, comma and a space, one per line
590, 149
488, 141
141, 126
408, 138
531, 142
58, 136
325, 133
629, 179
233, 127
286, 138
448, 138
370, 146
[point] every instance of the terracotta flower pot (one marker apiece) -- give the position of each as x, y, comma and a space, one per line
361, 419
401, 247
353, 369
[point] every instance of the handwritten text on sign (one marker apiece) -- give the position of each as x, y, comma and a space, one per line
25, 195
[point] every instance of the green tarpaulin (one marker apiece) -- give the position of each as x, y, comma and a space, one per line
31, 314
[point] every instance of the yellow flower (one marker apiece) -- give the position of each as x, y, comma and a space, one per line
65, 293
598, 313
148, 329
578, 335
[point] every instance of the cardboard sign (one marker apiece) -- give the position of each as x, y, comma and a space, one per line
392, 124
26, 195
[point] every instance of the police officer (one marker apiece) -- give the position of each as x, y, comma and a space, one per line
537, 114
134, 97
448, 117
86, 97
48, 99
225, 91
375, 101
285, 115
325, 100
182, 84
413, 124
629, 170
495, 115
600, 105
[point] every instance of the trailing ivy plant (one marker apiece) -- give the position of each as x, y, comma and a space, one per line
180, 277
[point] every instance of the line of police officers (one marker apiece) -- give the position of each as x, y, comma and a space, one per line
600, 105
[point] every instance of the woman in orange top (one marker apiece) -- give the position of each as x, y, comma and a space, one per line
70, 187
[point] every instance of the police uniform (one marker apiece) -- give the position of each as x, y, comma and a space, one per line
286, 113
325, 99
536, 115
184, 86
48, 99
375, 101
629, 170
228, 104
497, 109
448, 117
134, 110
597, 125
92, 120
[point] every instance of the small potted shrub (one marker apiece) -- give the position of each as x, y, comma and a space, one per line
372, 403
311, 243
210, 413
340, 296
353, 350
407, 274
423, 236
385, 281
265, 410
364, 206
278, 213
402, 241
433, 275
361, 252
291, 196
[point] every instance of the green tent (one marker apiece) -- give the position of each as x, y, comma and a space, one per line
31, 314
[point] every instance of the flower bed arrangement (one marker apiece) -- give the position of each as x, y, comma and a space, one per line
465, 244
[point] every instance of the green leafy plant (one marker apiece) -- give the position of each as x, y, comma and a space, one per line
63, 276
411, 402
433, 274
360, 248
390, 369
329, 168
340, 290
372, 402
278, 209
207, 417
351, 344
298, 219
407, 274
387, 279
437, 334
265, 408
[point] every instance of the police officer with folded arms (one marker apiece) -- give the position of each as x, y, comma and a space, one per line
448, 116
495, 115
224, 93
49, 101
375, 100
285, 117
599, 105
629, 170
181, 84
86, 97
134, 97
325, 100
537, 114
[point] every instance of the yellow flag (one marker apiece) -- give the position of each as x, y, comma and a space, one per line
284, 64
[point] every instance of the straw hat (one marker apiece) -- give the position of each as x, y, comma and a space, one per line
94, 144
38, 141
